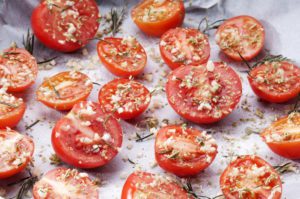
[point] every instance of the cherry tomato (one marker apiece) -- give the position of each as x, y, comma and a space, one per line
65, 25
122, 57
151, 186
241, 34
65, 183
125, 98
154, 17
12, 110
184, 46
64, 89
250, 177
275, 81
18, 69
283, 136
15, 152
204, 94
184, 151
87, 137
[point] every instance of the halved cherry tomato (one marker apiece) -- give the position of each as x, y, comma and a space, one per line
122, 57
125, 98
64, 89
184, 46
205, 93
184, 151
275, 81
18, 69
241, 34
152, 186
15, 152
87, 137
283, 136
154, 17
250, 177
65, 183
65, 25
12, 110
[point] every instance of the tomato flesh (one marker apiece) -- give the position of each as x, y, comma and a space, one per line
204, 94
184, 151
250, 177
65, 183
125, 98
152, 186
87, 137
283, 136
18, 69
65, 25
156, 17
184, 46
122, 57
15, 152
241, 34
64, 89
275, 82
12, 110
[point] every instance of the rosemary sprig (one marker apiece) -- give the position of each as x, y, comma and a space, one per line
189, 188
271, 58
286, 168
209, 26
26, 186
47, 60
32, 125
8, 104
142, 138
116, 19
28, 42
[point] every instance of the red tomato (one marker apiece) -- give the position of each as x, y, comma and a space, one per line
122, 57
125, 98
154, 17
18, 69
241, 34
87, 137
184, 46
276, 81
15, 152
64, 89
283, 136
12, 110
250, 177
151, 186
65, 183
204, 94
184, 151
65, 25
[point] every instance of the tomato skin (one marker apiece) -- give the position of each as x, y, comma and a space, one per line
183, 167
285, 148
83, 186
240, 162
230, 86
180, 35
263, 90
157, 28
66, 142
23, 57
238, 21
81, 89
130, 189
111, 88
43, 19
114, 66
26, 144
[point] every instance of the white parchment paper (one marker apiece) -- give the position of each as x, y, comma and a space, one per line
281, 20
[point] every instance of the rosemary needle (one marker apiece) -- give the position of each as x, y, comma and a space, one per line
32, 125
